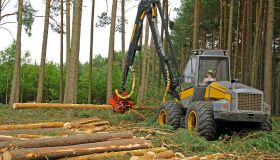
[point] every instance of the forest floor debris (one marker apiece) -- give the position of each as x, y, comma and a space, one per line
179, 144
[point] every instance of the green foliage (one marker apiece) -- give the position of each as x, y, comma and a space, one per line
30, 73
28, 16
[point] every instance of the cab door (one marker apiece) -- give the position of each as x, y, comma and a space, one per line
187, 87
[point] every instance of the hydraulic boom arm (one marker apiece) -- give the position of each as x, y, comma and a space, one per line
168, 62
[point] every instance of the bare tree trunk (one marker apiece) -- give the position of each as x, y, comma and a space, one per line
221, 26
229, 44
225, 24
111, 50
196, 23
91, 54
7, 89
74, 58
40, 89
248, 48
243, 43
203, 40
237, 58
14, 95
68, 48
268, 54
61, 79
278, 96
255, 59
153, 59
123, 34
144, 65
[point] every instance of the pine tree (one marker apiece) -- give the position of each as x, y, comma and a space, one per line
40, 89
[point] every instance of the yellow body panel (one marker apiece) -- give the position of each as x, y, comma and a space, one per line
186, 93
217, 91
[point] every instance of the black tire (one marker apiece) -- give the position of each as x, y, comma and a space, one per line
173, 112
204, 124
266, 126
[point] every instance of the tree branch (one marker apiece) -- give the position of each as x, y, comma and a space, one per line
1, 24
8, 31
6, 15
3, 6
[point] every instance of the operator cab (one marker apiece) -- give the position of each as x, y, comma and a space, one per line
199, 66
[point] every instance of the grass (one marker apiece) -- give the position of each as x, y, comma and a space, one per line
248, 145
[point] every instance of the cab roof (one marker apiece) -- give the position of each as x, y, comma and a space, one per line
210, 52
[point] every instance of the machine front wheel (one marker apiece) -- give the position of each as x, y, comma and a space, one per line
200, 119
266, 126
170, 113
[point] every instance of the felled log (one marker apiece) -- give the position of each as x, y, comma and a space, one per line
76, 150
148, 130
28, 136
90, 130
8, 138
58, 105
146, 107
38, 131
32, 126
86, 120
139, 152
165, 155
69, 125
64, 141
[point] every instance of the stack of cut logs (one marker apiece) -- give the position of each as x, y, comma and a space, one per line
88, 125
70, 146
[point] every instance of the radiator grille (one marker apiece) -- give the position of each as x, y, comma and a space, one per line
247, 101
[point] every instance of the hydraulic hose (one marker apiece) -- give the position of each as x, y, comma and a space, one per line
132, 86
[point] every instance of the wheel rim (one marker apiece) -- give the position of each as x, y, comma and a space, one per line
192, 121
162, 117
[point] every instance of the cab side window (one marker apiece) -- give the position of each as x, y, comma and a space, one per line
189, 74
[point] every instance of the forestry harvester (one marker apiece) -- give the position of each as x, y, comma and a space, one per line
204, 94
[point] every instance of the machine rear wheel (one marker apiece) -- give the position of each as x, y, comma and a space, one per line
200, 119
170, 113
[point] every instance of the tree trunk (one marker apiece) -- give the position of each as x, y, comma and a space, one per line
74, 56
278, 96
64, 141
268, 54
123, 34
40, 89
61, 79
57, 105
32, 126
144, 65
221, 26
248, 48
91, 54
255, 58
225, 23
196, 23
111, 50
237, 58
76, 150
229, 44
68, 49
243, 43
112, 155
153, 61
14, 95
262, 50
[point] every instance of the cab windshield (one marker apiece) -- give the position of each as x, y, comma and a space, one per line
218, 65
